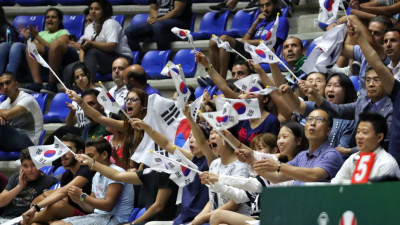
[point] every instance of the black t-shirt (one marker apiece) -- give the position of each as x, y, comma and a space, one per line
83, 171
164, 6
152, 182
21, 202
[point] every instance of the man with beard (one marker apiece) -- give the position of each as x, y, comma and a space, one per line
57, 204
135, 77
22, 188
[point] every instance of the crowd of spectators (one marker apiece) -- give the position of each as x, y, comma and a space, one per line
311, 130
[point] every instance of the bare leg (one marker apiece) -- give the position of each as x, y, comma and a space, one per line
224, 56
60, 209
34, 66
56, 53
228, 217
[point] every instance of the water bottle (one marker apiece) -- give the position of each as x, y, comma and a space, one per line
8, 36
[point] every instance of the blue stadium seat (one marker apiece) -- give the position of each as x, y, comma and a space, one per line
133, 214
285, 11
241, 23
41, 99
119, 18
211, 23
199, 91
74, 24
41, 138
185, 57
32, 2
2, 97
356, 82
139, 18
72, 2
154, 61
58, 109
310, 47
193, 22
55, 186
7, 156
140, 213
58, 171
47, 170
108, 76
36, 21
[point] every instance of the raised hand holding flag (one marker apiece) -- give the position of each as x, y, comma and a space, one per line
250, 84
246, 108
108, 102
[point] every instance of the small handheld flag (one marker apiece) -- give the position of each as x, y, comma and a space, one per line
108, 102
44, 155
225, 45
250, 84
183, 34
269, 38
246, 108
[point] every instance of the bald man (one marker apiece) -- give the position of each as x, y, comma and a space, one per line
119, 91
135, 77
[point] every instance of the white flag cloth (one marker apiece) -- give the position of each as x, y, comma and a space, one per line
328, 10
250, 84
246, 108
165, 117
195, 107
222, 44
183, 34
269, 38
326, 51
107, 101
177, 75
44, 155
222, 119
33, 52
261, 53
166, 162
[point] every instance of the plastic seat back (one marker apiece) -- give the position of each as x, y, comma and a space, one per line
211, 23
36, 21
119, 18
41, 99
186, 58
74, 24
154, 61
241, 23
58, 109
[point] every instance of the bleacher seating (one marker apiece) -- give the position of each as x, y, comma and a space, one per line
355, 81
186, 58
241, 23
74, 24
211, 23
41, 99
120, 19
58, 110
47, 169
154, 61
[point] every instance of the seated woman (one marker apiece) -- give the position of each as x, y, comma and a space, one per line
291, 141
221, 59
52, 44
102, 42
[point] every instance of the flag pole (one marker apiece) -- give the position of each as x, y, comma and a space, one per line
56, 76
240, 55
173, 161
106, 91
344, 10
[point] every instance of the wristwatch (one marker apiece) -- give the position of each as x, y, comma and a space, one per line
83, 197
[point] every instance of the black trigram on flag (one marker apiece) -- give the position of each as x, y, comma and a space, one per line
170, 114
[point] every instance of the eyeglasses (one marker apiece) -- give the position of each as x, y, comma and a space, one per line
132, 99
318, 119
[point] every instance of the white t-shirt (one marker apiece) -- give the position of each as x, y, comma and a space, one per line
29, 123
111, 32
81, 119
235, 168
123, 205
119, 95
384, 165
